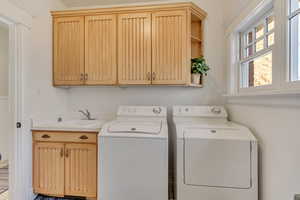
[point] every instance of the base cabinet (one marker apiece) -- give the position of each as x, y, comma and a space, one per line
80, 169
49, 168
62, 167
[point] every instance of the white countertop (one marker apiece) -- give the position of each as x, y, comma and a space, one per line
68, 125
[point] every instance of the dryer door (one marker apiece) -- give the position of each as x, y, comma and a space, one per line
217, 158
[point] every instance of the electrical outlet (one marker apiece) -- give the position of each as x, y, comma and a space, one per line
297, 197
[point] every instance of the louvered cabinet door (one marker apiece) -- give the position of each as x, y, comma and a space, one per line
68, 51
134, 44
169, 47
101, 50
81, 170
48, 168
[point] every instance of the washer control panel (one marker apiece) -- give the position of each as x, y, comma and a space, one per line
200, 111
150, 111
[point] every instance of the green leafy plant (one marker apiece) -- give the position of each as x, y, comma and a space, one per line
199, 66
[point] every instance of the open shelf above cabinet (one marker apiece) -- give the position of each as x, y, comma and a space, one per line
196, 35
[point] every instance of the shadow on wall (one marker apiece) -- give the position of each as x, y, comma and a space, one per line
4, 111
105, 100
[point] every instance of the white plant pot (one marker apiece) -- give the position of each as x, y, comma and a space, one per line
196, 78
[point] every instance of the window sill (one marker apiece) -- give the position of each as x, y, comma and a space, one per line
290, 92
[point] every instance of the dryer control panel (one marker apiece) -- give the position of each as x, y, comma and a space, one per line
143, 111
200, 111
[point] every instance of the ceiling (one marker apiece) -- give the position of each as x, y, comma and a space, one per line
87, 3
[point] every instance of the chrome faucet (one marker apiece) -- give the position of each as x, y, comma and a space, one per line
87, 114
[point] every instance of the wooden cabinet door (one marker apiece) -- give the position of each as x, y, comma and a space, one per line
134, 48
101, 50
81, 170
169, 47
48, 168
68, 45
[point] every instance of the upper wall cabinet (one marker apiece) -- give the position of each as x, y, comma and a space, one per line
140, 45
100, 49
68, 51
134, 63
169, 48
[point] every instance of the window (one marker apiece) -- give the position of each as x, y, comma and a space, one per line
294, 41
256, 44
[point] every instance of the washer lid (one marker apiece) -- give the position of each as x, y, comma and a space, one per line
135, 127
217, 159
222, 133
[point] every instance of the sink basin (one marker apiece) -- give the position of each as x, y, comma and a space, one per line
71, 124
80, 123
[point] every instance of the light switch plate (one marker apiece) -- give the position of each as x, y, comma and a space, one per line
297, 197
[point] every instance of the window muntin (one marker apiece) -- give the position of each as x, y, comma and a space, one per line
257, 72
256, 53
294, 41
271, 23
294, 5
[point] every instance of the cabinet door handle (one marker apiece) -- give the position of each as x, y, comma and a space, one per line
67, 153
62, 152
86, 76
83, 137
45, 136
149, 76
81, 77
153, 76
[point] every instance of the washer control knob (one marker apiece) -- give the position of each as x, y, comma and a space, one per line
216, 110
157, 110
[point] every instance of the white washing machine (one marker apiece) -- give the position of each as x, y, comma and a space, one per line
133, 155
214, 158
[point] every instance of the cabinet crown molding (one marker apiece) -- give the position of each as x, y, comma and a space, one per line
130, 8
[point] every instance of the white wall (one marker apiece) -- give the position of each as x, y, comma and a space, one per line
41, 98
275, 122
107, 99
3, 60
4, 112
277, 130
232, 9
4, 128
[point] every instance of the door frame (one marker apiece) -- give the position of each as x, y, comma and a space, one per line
15, 106
17, 21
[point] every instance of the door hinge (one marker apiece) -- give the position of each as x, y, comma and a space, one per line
19, 125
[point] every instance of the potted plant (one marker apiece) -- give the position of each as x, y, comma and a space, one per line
199, 68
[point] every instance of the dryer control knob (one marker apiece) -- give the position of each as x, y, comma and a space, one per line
216, 110
157, 110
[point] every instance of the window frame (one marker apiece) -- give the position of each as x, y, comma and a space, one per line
244, 45
281, 84
289, 16
265, 12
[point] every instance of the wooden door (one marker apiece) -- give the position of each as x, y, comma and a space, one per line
134, 44
101, 50
81, 170
68, 51
48, 168
169, 47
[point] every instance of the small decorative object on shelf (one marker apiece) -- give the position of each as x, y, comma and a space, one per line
199, 68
